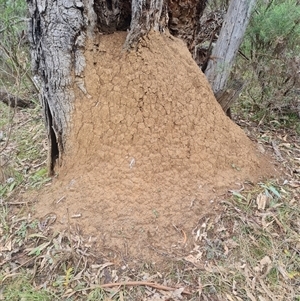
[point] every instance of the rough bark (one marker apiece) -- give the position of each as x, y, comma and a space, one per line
229, 95
58, 31
145, 15
228, 43
207, 34
184, 16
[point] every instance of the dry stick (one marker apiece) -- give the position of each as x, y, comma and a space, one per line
130, 283
69, 232
184, 237
20, 203
9, 275
139, 283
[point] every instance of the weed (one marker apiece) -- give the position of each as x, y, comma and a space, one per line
39, 178
23, 229
97, 294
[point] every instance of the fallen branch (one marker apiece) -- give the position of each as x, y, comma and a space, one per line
12, 100
129, 283
139, 283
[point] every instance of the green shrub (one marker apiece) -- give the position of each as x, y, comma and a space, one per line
14, 52
272, 64
275, 23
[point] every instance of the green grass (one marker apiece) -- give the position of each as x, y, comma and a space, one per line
24, 157
96, 294
20, 287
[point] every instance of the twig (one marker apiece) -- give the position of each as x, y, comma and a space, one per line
10, 275
139, 283
130, 283
17, 65
184, 237
63, 197
69, 232
19, 203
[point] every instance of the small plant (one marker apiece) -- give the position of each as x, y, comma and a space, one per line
39, 178
96, 294
23, 229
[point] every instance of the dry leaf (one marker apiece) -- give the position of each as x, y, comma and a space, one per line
265, 265
294, 184
234, 288
229, 297
263, 221
7, 247
265, 261
101, 266
231, 244
221, 229
267, 291
282, 271
261, 148
226, 250
200, 287
249, 295
192, 259
261, 201
178, 293
287, 145
155, 297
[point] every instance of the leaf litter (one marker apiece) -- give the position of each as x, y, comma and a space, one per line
249, 251
237, 255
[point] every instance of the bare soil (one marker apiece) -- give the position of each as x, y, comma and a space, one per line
150, 153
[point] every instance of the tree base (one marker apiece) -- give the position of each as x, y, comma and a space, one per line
150, 148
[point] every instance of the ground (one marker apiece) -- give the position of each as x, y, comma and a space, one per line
182, 207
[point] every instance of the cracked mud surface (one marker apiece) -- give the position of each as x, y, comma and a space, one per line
149, 151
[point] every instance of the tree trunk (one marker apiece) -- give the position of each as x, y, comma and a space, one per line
58, 32
227, 46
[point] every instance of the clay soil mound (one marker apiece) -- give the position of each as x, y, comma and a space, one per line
150, 149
